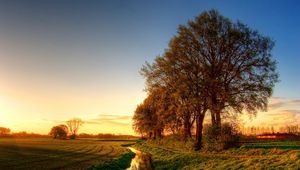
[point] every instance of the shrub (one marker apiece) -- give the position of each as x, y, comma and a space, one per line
73, 136
228, 138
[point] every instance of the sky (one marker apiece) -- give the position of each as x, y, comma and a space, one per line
62, 59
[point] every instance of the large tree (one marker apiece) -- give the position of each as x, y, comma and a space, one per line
237, 65
215, 65
165, 74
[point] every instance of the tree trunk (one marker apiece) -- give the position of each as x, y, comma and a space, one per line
187, 128
199, 128
215, 109
154, 134
218, 119
216, 123
213, 117
150, 135
159, 133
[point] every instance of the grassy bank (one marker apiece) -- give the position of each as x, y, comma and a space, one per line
120, 163
173, 156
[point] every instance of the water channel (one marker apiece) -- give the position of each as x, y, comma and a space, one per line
141, 161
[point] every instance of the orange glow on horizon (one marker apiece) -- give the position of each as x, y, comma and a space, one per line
20, 115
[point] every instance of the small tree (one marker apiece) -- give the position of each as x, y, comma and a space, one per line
60, 132
74, 125
145, 119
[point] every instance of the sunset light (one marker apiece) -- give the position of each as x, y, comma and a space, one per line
191, 78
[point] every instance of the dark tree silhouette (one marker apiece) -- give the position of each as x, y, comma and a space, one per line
238, 69
60, 132
215, 65
146, 118
74, 125
4, 131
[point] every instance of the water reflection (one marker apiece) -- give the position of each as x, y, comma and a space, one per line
141, 161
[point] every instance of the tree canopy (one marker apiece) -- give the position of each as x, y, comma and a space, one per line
60, 132
212, 65
4, 131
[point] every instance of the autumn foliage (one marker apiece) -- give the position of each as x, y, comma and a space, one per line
212, 66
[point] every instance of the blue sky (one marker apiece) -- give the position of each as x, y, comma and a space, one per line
61, 53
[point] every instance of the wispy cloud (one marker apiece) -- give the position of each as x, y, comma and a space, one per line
101, 119
281, 112
277, 119
295, 101
278, 103
111, 119
54, 121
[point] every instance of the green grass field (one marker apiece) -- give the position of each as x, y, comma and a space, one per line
293, 145
272, 155
47, 153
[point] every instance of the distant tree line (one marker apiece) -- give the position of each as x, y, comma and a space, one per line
257, 130
57, 132
4, 131
108, 136
62, 132
212, 66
